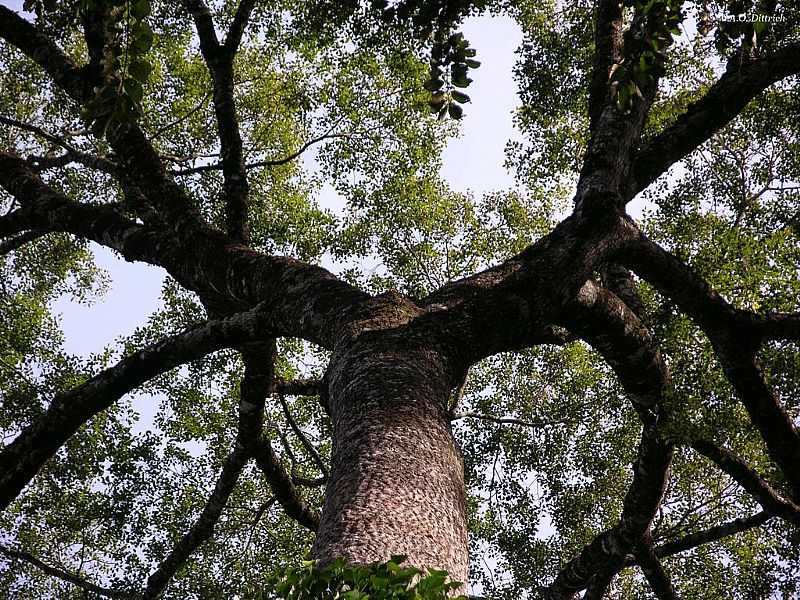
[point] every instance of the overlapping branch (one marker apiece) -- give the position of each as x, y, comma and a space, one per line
735, 335
612, 328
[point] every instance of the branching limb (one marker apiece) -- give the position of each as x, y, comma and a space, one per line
611, 327
735, 335
137, 157
603, 320
780, 326
46, 209
72, 155
720, 105
653, 570
205, 261
739, 471
606, 554
14, 222
65, 575
22, 458
238, 25
219, 59
619, 281
303, 438
259, 359
282, 486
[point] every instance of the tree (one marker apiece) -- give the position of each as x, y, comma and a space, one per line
605, 403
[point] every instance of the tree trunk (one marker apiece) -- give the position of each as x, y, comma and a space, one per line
397, 478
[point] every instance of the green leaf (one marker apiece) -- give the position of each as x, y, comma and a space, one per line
140, 70
140, 9
143, 39
433, 85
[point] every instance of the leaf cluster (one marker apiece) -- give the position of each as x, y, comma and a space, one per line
379, 581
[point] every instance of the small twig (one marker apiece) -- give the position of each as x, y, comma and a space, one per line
64, 575
263, 163
510, 420
161, 131
302, 437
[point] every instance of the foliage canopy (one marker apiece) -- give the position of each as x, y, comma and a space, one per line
375, 89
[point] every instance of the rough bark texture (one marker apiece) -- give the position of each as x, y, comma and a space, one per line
397, 480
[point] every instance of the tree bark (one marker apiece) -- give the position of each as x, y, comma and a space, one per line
397, 478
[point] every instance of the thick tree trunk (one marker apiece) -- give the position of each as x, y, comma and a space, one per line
397, 478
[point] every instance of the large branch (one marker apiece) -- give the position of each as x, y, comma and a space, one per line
202, 529
306, 301
75, 580
720, 105
615, 331
219, 60
22, 458
298, 387
607, 51
44, 52
770, 500
46, 209
735, 335
712, 534
16, 242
